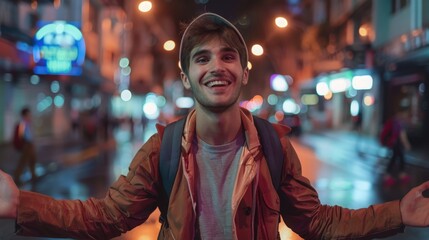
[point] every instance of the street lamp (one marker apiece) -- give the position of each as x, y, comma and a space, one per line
281, 22
145, 6
169, 45
257, 50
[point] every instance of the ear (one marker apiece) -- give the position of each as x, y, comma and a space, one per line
245, 76
185, 81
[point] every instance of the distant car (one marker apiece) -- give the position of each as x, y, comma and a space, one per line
294, 122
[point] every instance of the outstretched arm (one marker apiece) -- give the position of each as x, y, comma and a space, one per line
128, 203
415, 207
9, 196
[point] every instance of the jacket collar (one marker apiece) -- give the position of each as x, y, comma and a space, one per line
250, 132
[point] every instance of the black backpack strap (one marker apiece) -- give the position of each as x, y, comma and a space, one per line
272, 148
171, 145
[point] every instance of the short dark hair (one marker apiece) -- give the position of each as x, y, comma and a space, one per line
206, 27
25, 111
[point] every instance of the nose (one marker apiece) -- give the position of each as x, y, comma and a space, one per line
217, 65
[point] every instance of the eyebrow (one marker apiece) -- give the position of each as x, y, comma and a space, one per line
205, 51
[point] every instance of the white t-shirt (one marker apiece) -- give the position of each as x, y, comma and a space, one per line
217, 169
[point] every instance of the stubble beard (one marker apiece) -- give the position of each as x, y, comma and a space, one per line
204, 103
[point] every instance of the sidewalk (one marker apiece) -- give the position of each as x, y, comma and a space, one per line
52, 154
369, 145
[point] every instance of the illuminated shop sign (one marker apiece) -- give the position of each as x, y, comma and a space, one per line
343, 81
59, 48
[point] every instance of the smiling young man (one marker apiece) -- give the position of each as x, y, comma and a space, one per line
223, 187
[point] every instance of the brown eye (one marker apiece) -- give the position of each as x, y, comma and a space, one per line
230, 57
201, 60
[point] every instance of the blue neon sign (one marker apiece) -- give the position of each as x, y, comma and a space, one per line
59, 48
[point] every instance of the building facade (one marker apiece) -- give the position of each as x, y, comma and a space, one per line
57, 100
402, 45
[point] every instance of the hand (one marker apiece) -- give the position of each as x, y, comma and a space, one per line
415, 207
9, 196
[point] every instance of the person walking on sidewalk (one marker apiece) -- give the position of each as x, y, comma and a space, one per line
223, 187
394, 137
27, 150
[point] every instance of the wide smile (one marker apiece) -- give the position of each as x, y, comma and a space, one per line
217, 83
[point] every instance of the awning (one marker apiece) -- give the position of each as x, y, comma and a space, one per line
11, 58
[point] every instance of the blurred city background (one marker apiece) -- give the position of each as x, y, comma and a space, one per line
98, 75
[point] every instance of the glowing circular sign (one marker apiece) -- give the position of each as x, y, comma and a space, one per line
59, 49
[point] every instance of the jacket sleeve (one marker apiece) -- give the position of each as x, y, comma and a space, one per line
302, 211
128, 203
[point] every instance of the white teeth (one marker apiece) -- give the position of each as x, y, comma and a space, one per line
217, 83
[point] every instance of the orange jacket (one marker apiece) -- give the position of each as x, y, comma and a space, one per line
256, 205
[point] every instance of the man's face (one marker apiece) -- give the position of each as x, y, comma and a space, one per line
215, 75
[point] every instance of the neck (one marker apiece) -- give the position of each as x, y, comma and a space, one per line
218, 128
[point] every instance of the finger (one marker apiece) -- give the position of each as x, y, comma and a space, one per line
4, 176
422, 187
2, 173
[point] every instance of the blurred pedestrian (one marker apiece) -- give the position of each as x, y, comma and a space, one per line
394, 137
89, 126
223, 187
357, 122
144, 122
74, 118
130, 121
28, 152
